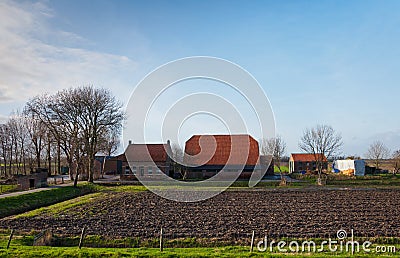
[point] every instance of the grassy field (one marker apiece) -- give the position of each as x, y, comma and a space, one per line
284, 169
337, 180
17, 204
154, 252
8, 188
21, 246
333, 180
96, 193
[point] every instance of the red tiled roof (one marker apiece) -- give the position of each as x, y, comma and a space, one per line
148, 152
304, 157
221, 150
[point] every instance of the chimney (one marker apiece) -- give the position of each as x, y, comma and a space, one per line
130, 142
168, 142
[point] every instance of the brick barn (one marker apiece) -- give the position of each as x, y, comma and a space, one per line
299, 162
114, 165
206, 155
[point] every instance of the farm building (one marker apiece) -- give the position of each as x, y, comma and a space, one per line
299, 162
349, 167
206, 155
144, 159
115, 165
36, 179
147, 160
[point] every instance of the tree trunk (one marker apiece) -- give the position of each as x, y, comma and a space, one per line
58, 157
10, 162
76, 176
103, 167
49, 158
37, 151
5, 166
90, 169
71, 170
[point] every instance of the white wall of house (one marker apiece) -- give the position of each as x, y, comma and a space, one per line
143, 169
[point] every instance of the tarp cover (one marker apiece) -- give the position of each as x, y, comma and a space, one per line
344, 165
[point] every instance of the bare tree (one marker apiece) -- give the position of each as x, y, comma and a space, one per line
59, 114
4, 146
322, 141
177, 159
17, 123
77, 119
396, 158
276, 147
377, 152
100, 112
109, 143
14, 145
36, 131
16, 133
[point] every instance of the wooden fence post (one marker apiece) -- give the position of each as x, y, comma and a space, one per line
352, 242
9, 239
161, 240
82, 236
252, 242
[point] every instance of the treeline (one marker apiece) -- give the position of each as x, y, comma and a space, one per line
69, 127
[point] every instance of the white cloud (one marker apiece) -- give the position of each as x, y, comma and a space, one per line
3, 119
29, 65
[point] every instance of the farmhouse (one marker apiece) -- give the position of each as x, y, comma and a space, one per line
206, 155
305, 162
138, 159
147, 160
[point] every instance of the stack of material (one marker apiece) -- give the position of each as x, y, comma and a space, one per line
347, 172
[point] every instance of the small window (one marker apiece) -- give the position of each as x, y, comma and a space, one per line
127, 170
141, 169
158, 170
134, 170
150, 170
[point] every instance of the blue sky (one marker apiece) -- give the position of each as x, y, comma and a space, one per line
331, 62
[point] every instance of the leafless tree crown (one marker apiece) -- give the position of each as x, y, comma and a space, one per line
322, 140
276, 147
77, 123
377, 151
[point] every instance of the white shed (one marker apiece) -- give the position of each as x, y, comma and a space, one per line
351, 167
